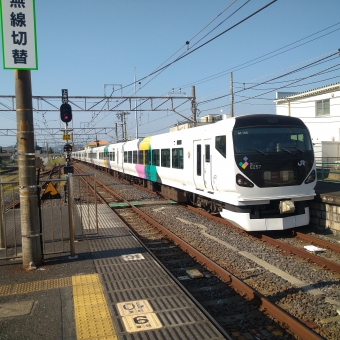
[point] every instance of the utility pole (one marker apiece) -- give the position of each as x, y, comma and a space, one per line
30, 226
116, 130
136, 108
193, 105
231, 95
2, 225
124, 123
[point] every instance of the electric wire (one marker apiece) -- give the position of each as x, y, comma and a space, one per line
251, 62
280, 76
313, 75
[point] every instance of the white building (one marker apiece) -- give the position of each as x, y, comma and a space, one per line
320, 111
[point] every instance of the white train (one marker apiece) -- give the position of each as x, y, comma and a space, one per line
257, 171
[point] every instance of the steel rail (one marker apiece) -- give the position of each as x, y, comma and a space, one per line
317, 241
302, 253
286, 320
294, 250
102, 200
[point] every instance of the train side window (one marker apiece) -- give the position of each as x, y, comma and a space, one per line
155, 157
199, 156
147, 157
129, 156
113, 156
134, 157
177, 158
125, 156
165, 158
140, 156
207, 153
220, 145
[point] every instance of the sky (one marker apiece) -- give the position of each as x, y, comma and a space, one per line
86, 45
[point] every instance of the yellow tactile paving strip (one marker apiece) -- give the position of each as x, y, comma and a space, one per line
92, 316
34, 286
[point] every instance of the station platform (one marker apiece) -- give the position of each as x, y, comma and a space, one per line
328, 189
114, 289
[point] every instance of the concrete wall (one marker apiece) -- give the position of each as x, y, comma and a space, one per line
325, 209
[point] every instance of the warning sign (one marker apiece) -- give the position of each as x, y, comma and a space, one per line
50, 193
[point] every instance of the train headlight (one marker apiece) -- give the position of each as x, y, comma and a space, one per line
243, 182
310, 178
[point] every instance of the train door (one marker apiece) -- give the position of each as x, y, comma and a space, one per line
116, 158
120, 158
147, 162
207, 165
198, 166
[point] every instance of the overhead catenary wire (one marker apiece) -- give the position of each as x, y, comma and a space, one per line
251, 62
331, 69
188, 41
277, 77
236, 68
313, 75
205, 43
92, 120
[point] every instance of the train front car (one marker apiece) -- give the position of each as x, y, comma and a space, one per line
275, 172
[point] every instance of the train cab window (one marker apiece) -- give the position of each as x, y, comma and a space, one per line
155, 157
134, 157
207, 153
220, 145
129, 156
125, 156
177, 158
165, 158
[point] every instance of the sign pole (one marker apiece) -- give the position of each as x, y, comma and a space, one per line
30, 226
19, 53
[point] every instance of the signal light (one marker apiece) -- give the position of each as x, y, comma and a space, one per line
65, 112
67, 148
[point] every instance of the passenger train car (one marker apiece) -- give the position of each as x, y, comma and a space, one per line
257, 171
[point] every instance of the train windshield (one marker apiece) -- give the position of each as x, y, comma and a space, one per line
267, 140
273, 156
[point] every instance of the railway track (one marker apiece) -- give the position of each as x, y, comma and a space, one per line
11, 196
268, 287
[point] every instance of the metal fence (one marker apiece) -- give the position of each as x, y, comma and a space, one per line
328, 171
67, 209
10, 228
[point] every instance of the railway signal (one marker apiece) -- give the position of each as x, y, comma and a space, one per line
65, 112
68, 148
